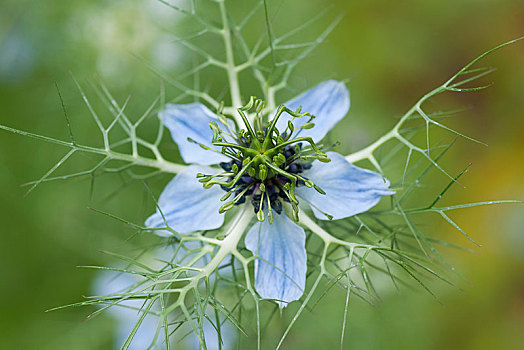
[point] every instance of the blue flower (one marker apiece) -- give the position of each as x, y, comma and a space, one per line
277, 171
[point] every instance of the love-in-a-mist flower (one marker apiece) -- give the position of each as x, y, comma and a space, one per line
273, 166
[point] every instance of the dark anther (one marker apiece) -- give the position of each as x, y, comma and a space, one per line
306, 166
282, 179
295, 168
256, 206
249, 192
246, 179
285, 199
270, 189
227, 166
276, 205
273, 194
289, 152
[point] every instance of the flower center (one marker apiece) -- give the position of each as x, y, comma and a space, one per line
266, 164
273, 187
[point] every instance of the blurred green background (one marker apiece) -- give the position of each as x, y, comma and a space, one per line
392, 53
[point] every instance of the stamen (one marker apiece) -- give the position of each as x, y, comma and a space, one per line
294, 206
269, 211
210, 183
238, 197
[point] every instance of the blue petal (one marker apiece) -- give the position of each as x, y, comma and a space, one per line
328, 102
349, 189
280, 267
187, 206
192, 121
